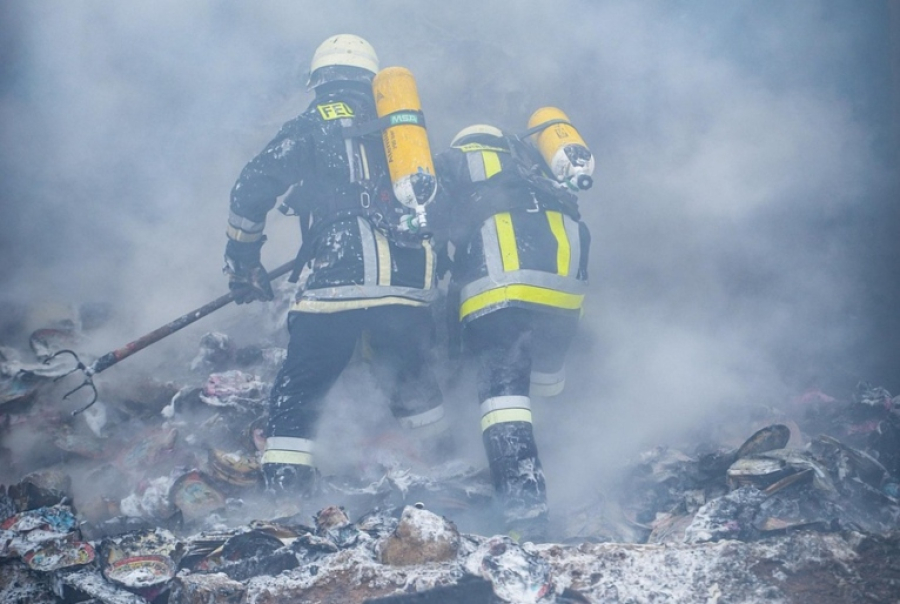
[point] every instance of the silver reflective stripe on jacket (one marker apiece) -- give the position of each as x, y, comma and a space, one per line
376, 289
506, 283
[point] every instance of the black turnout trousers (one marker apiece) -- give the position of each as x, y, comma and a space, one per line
321, 346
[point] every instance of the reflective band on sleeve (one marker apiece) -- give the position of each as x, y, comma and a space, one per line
422, 419
506, 235
521, 293
296, 458
243, 229
563, 252
502, 416
491, 163
242, 236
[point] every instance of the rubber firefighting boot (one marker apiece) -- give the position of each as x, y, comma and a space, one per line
518, 479
430, 431
290, 480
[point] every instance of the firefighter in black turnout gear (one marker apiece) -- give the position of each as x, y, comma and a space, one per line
518, 281
365, 274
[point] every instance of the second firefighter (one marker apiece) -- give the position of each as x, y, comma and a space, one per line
519, 277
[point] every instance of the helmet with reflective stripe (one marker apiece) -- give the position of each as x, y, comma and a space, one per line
342, 57
476, 130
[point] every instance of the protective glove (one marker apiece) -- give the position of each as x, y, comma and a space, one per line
247, 279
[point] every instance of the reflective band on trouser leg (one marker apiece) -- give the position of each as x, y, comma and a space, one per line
426, 424
288, 450
547, 384
502, 409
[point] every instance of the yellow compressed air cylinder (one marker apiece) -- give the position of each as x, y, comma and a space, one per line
405, 138
562, 147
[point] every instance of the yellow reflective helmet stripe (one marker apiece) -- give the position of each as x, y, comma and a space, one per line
506, 235
521, 293
563, 250
472, 147
501, 416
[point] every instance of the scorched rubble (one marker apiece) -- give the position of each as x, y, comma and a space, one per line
155, 495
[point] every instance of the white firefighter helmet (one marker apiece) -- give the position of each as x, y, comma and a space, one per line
342, 50
476, 129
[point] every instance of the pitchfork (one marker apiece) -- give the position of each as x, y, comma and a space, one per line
111, 358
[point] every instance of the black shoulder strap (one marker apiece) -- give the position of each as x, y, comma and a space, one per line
533, 169
542, 126
392, 119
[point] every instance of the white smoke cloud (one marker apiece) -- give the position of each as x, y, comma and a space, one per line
734, 145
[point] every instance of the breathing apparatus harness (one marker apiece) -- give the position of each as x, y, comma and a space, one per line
528, 186
333, 198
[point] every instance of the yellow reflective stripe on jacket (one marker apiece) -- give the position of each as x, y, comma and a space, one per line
506, 236
491, 163
501, 416
430, 261
563, 251
521, 292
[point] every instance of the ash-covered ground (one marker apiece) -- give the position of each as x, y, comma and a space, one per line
153, 494
743, 292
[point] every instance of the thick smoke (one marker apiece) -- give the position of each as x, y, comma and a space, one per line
741, 218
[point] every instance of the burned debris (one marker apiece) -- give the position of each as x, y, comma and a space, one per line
155, 495
821, 473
